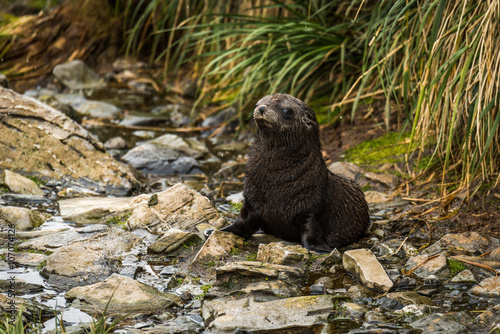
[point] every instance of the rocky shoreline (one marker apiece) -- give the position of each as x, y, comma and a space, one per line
78, 241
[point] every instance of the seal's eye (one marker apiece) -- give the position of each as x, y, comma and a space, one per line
287, 112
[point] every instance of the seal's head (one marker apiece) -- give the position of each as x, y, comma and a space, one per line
284, 113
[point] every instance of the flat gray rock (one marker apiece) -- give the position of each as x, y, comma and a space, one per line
75, 265
22, 218
424, 265
247, 314
124, 294
41, 141
177, 207
19, 184
77, 75
167, 155
280, 253
96, 109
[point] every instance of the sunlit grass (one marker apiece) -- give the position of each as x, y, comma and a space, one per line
438, 62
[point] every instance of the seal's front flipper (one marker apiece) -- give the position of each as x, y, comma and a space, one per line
246, 224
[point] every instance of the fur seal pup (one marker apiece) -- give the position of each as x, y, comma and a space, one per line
288, 190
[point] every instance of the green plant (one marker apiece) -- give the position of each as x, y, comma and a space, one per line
119, 220
42, 264
252, 257
209, 264
37, 181
235, 251
435, 62
205, 288
455, 266
388, 148
15, 326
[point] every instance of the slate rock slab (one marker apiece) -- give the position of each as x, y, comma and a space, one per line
247, 314
124, 294
41, 141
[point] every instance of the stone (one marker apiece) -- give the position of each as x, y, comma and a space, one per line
172, 240
353, 310
432, 281
389, 303
428, 266
495, 254
113, 242
19, 184
94, 210
271, 288
465, 276
4, 82
280, 253
116, 143
489, 287
29, 259
365, 266
377, 197
346, 169
247, 314
387, 180
31, 308
124, 294
333, 258
484, 321
317, 289
75, 265
41, 141
178, 206
410, 298
143, 120
470, 243
20, 287
326, 281
34, 234
413, 309
177, 113
258, 269
77, 75
75, 322
439, 323
23, 219
218, 245
167, 155
96, 109
360, 291
235, 198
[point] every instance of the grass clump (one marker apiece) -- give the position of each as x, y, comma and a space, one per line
437, 64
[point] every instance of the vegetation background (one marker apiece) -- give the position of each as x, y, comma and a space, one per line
431, 67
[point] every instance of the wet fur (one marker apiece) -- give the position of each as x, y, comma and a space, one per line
288, 190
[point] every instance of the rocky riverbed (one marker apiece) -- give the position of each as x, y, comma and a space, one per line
95, 223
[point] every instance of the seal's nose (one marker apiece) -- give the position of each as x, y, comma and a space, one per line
262, 108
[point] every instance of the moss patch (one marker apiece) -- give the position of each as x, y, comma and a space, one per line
455, 266
389, 148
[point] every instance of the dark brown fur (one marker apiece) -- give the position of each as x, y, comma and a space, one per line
289, 192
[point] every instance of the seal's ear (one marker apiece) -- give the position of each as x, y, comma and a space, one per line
309, 117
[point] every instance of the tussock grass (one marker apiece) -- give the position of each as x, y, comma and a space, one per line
438, 61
